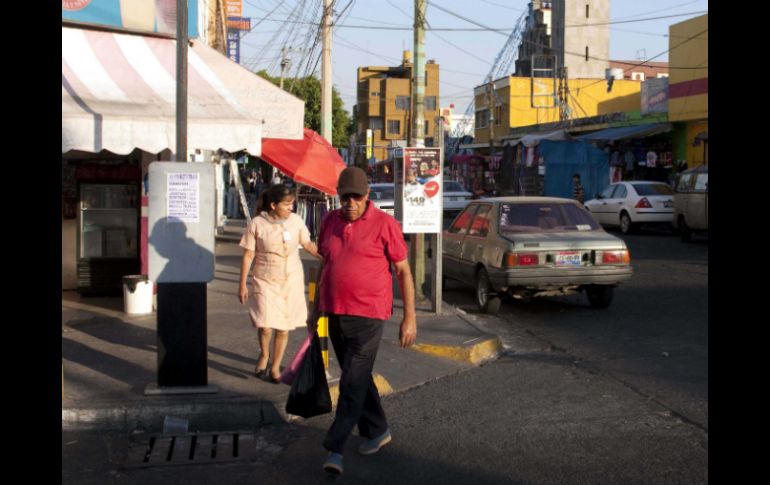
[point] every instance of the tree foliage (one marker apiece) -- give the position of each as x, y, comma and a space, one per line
308, 89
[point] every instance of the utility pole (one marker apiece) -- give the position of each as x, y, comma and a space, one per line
491, 106
418, 131
284, 64
181, 80
326, 74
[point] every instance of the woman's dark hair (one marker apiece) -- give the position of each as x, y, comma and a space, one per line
273, 195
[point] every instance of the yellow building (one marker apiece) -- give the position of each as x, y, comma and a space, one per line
688, 89
384, 105
524, 101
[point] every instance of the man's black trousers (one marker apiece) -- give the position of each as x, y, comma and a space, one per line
355, 340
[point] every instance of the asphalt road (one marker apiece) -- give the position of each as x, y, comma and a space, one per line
579, 396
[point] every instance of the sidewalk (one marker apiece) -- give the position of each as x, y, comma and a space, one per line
110, 357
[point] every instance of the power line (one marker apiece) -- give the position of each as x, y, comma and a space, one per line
658, 55
613, 22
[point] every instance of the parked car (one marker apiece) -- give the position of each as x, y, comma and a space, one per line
691, 202
630, 204
533, 246
383, 196
455, 195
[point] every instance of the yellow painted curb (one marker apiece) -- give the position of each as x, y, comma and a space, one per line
383, 386
472, 354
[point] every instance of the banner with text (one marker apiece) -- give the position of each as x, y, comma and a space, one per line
423, 191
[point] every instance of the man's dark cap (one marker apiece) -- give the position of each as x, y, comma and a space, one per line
352, 181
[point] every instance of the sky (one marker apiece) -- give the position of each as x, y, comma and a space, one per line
366, 34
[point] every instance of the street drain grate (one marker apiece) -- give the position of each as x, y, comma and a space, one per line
193, 449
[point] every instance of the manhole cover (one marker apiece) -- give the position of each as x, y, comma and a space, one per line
192, 449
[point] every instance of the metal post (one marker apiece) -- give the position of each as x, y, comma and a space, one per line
418, 130
436, 239
326, 74
181, 81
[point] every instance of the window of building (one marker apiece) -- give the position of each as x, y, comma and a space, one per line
586, 10
394, 127
375, 94
498, 115
427, 128
482, 118
429, 142
662, 74
402, 102
637, 76
430, 103
375, 123
586, 53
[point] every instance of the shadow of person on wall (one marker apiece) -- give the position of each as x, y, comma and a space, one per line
187, 260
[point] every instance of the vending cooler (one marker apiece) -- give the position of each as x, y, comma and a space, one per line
108, 236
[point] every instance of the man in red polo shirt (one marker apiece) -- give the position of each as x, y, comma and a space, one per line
358, 243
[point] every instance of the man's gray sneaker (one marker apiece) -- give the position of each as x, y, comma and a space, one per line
373, 445
333, 464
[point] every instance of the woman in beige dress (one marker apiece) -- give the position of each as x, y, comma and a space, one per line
277, 300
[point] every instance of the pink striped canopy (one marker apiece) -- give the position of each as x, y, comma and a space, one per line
119, 93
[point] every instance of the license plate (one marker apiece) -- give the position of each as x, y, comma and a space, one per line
569, 259
668, 204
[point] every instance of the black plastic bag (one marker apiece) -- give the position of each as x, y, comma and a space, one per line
309, 395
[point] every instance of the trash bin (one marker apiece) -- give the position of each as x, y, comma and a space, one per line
137, 294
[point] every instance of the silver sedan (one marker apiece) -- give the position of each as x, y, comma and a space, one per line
533, 246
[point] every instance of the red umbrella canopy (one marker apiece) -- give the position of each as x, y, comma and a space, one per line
311, 160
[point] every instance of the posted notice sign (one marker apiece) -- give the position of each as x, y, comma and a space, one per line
183, 203
423, 191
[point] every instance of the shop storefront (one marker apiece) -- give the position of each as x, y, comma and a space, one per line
119, 115
642, 152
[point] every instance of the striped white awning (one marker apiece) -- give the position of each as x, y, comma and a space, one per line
119, 93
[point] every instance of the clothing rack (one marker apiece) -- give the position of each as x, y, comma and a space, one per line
313, 207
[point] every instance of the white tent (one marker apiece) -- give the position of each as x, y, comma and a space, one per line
119, 93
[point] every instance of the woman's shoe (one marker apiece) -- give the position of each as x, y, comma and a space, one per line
260, 373
275, 380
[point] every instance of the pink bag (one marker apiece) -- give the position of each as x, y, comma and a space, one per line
287, 376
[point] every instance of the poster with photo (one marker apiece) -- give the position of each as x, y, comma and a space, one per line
423, 190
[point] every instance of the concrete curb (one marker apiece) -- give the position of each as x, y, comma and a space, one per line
485, 349
383, 387
232, 414
217, 415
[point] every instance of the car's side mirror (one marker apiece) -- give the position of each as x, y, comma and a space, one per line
598, 196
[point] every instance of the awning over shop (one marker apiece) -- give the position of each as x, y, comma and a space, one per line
625, 132
119, 93
536, 138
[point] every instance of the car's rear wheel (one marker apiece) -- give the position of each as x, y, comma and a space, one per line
626, 226
684, 230
487, 299
599, 296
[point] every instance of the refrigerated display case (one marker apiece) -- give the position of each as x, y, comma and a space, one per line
108, 236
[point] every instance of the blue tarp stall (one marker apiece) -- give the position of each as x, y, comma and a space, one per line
563, 159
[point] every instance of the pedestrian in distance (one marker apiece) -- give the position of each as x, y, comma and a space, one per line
359, 243
232, 200
578, 193
277, 299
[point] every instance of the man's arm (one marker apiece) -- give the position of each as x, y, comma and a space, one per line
408, 332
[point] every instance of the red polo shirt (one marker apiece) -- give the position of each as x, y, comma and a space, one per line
356, 278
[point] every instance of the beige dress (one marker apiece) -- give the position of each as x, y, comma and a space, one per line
277, 298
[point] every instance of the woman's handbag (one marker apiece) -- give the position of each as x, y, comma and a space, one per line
309, 395
288, 374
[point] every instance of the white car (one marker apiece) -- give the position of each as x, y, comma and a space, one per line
455, 196
630, 204
383, 196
